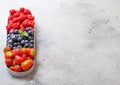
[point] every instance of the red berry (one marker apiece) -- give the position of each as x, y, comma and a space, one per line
10, 17
12, 68
16, 14
16, 25
22, 9
30, 17
22, 28
27, 11
31, 23
12, 11
8, 62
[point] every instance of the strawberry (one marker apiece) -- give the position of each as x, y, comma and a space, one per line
12, 68
8, 54
17, 68
7, 48
14, 63
18, 59
8, 62
24, 56
27, 64
18, 52
24, 50
32, 52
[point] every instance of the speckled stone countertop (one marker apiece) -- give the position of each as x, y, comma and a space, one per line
78, 42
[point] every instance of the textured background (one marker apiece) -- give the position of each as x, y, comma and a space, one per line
78, 42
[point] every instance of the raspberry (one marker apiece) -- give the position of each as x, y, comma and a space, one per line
16, 14
22, 9
27, 11
22, 17
22, 28
30, 17
16, 25
25, 22
31, 23
15, 20
10, 17
12, 11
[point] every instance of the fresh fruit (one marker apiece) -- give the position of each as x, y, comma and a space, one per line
8, 62
8, 54
12, 68
18, 52
24, 56
7, 48
32, 52
22, 9
26, 64
18, 59
17, 68
24, 50
19, 19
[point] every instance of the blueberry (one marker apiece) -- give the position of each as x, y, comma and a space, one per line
8, 35
30, 38
14, 38
22, 42
32, 41
10, 41
19, 38
11, 35
11, 32
26, 45
26, 41
27, 28
31, 32
15, 44
31, 45
16, 31
19, 46
14, 47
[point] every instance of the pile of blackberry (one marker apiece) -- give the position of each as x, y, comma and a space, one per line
16, 40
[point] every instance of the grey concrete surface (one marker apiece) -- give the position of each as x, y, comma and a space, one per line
78, 42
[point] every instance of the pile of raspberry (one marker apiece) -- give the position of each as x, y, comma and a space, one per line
20, 19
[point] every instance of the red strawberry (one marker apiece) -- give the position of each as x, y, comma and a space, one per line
14, 63
7, 48
8, 62
18, 59
24, 50
32, 52
24, 56
17, 68
8, 54
18, 52
27, 64
12, 68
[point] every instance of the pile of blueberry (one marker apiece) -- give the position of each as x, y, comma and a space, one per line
16, 40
